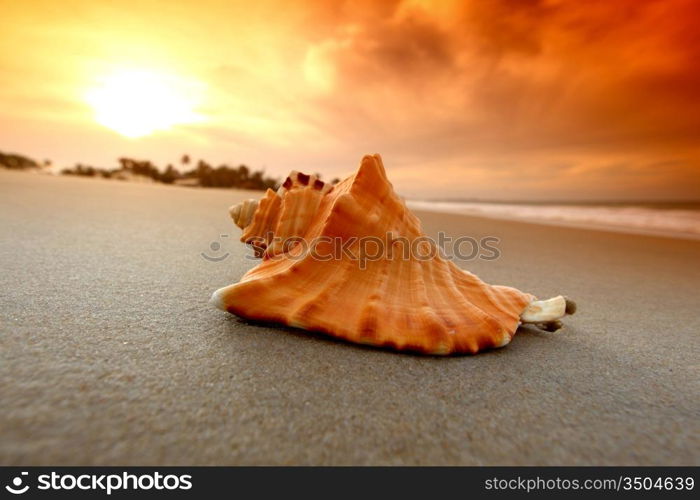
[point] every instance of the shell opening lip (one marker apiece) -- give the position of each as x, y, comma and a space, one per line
545, 311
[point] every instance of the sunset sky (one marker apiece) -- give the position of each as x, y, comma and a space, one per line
487, 99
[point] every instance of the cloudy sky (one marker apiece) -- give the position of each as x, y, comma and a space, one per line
487, 99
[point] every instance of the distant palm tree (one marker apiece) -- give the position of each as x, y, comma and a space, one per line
243, 172
185, 160
125, 163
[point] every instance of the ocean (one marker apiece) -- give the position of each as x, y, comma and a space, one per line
679, 220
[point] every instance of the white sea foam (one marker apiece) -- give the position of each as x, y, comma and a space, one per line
675, 222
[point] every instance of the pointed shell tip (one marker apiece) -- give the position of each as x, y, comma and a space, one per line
217, 299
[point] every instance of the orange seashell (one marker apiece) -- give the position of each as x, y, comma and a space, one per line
316, 272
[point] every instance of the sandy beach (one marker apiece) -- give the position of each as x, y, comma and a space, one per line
111, 355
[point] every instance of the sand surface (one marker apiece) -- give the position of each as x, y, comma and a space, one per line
110, 353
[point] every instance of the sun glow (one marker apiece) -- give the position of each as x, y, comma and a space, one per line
136, 103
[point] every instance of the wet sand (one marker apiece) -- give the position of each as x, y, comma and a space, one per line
110, 353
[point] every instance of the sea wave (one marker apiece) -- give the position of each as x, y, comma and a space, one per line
681, 223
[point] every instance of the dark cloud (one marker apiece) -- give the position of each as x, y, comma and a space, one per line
521, 75
501, 27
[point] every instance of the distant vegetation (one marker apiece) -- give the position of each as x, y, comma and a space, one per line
202, 174
18, 162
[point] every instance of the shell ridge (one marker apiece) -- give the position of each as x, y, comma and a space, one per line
490, 322
489, 293
439, 339
311, 302
451, 293
262, 218
370, 313
446, 316
396, 311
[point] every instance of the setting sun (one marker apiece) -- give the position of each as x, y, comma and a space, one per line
136, 103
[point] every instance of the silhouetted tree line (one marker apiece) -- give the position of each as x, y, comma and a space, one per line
88, 171
203, 174
18, 162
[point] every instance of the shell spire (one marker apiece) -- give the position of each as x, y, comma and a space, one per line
335, 260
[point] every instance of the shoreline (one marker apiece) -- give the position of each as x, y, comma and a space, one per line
610, 228
570, 224
421, 206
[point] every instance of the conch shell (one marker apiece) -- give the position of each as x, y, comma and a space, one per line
395, 300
